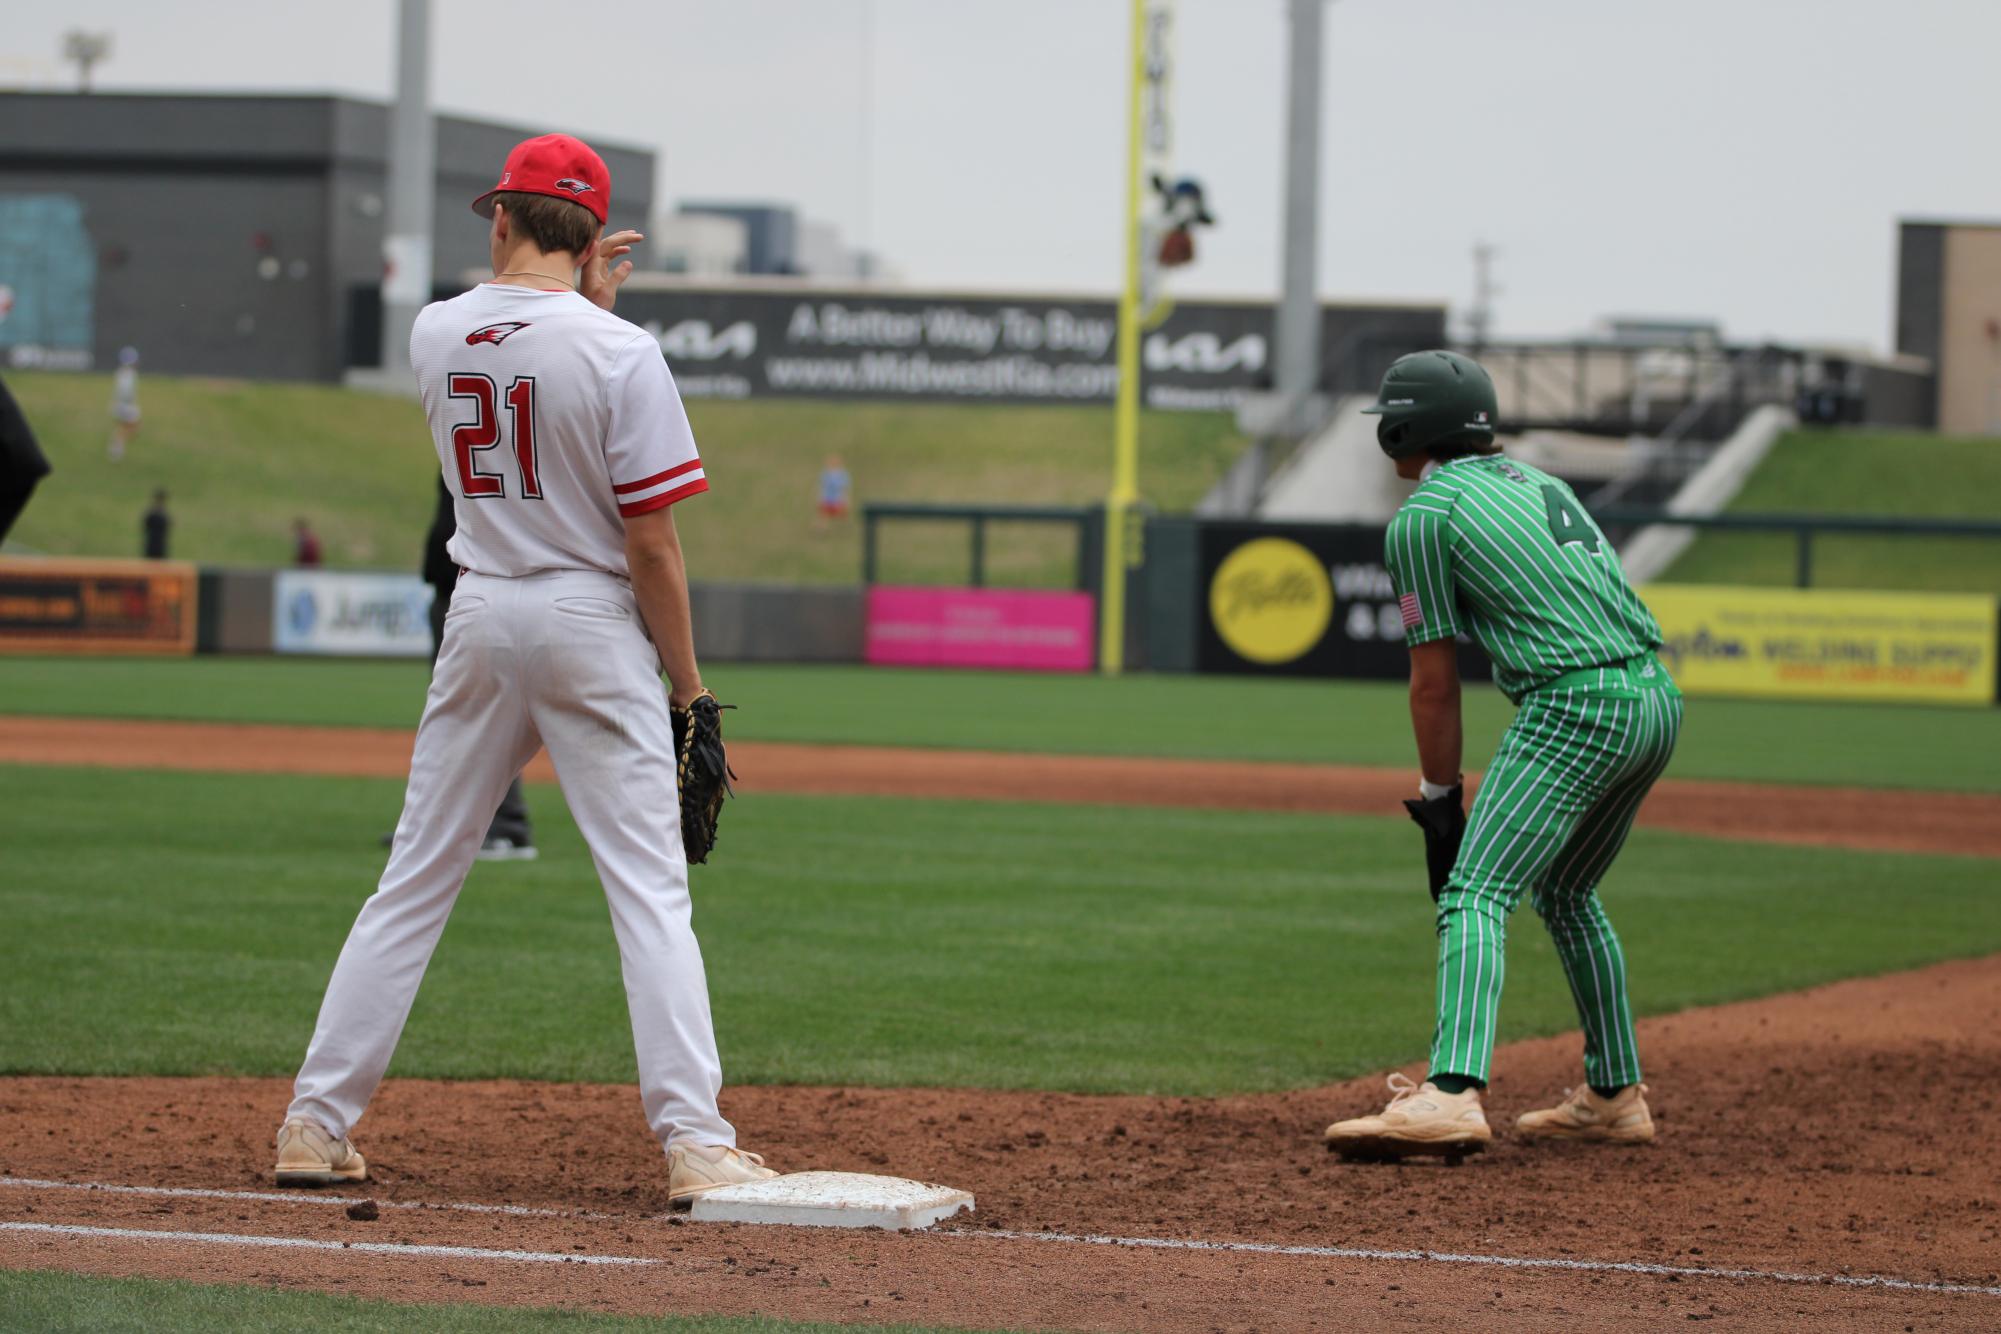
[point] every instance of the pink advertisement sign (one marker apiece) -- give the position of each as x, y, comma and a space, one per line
1010, 629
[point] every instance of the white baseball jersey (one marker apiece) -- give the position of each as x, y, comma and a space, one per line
554, 421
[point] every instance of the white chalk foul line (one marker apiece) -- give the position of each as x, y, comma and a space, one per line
1499, 1261
307, 1244
291, 1197
1144, 1243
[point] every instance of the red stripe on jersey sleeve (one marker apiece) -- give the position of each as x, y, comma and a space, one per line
664, 499
627, 488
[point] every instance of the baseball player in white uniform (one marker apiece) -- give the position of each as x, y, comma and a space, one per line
564, 444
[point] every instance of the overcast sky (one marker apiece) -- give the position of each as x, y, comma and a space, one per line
1744, 160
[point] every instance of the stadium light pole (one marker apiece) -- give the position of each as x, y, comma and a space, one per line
406, 243
1298, 331
1480, 317
85, 50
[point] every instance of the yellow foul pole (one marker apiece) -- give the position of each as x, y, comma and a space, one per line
1120, 533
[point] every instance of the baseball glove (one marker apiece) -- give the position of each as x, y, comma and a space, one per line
702, 770
1176, 248
1443, 820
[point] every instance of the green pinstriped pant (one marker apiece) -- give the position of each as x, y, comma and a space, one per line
1551, 814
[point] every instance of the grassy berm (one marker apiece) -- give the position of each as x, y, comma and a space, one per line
1862, 472
240, 461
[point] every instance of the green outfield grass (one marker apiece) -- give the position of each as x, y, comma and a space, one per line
186, 923
1331, 722
1862, 472
241, 460
51, 1300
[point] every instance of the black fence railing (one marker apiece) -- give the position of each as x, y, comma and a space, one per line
1697, 391
1085, 521
1803, 527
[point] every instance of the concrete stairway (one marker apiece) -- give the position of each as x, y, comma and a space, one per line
1337, 476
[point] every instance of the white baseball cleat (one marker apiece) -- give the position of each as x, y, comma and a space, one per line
695, 1168
1420, 1120
309, 1156
1620, 1119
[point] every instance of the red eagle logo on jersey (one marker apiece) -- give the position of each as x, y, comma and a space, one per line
495, 333
574, 186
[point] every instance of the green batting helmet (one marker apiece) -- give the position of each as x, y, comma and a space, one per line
1434, 398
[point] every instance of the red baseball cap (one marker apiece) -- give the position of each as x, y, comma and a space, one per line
557, 165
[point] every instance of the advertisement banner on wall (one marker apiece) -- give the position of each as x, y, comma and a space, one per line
1206, 356
352, 614
1003, 629
1786, 643
97, 606
1302, 600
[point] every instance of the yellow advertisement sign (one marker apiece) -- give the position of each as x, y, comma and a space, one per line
1271, 600
1817, 643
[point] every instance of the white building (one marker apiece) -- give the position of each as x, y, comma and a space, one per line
701, 245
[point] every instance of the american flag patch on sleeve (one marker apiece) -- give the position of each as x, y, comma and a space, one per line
1413, 611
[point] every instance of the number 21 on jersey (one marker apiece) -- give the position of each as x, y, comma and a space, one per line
471, 438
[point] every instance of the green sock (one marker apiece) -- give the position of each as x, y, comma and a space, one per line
1457, 1083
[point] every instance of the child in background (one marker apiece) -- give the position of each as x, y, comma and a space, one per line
835, 485
124, 402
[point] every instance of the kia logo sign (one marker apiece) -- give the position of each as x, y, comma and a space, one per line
698, 340
1205, 354
868, 344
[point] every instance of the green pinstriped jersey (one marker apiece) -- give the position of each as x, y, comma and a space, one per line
1505, 552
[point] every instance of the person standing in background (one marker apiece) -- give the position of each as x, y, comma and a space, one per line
154, 527
305, 545
124, 402
835, 489
510, 836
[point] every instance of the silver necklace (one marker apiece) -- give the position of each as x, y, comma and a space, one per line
530, 273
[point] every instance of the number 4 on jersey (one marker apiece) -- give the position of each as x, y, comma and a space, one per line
1566, 523
483, 433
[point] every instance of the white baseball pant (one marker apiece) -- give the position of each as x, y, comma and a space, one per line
558, 659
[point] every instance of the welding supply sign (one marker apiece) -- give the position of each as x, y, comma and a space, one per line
1789, 643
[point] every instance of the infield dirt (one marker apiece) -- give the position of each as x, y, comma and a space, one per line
1847, 1130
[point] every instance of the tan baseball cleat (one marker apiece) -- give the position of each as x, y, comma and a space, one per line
309, 1156
695, 1168
1419, 1121
1582, 1114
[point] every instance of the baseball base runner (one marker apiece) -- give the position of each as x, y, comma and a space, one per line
564, 443
1504, 552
